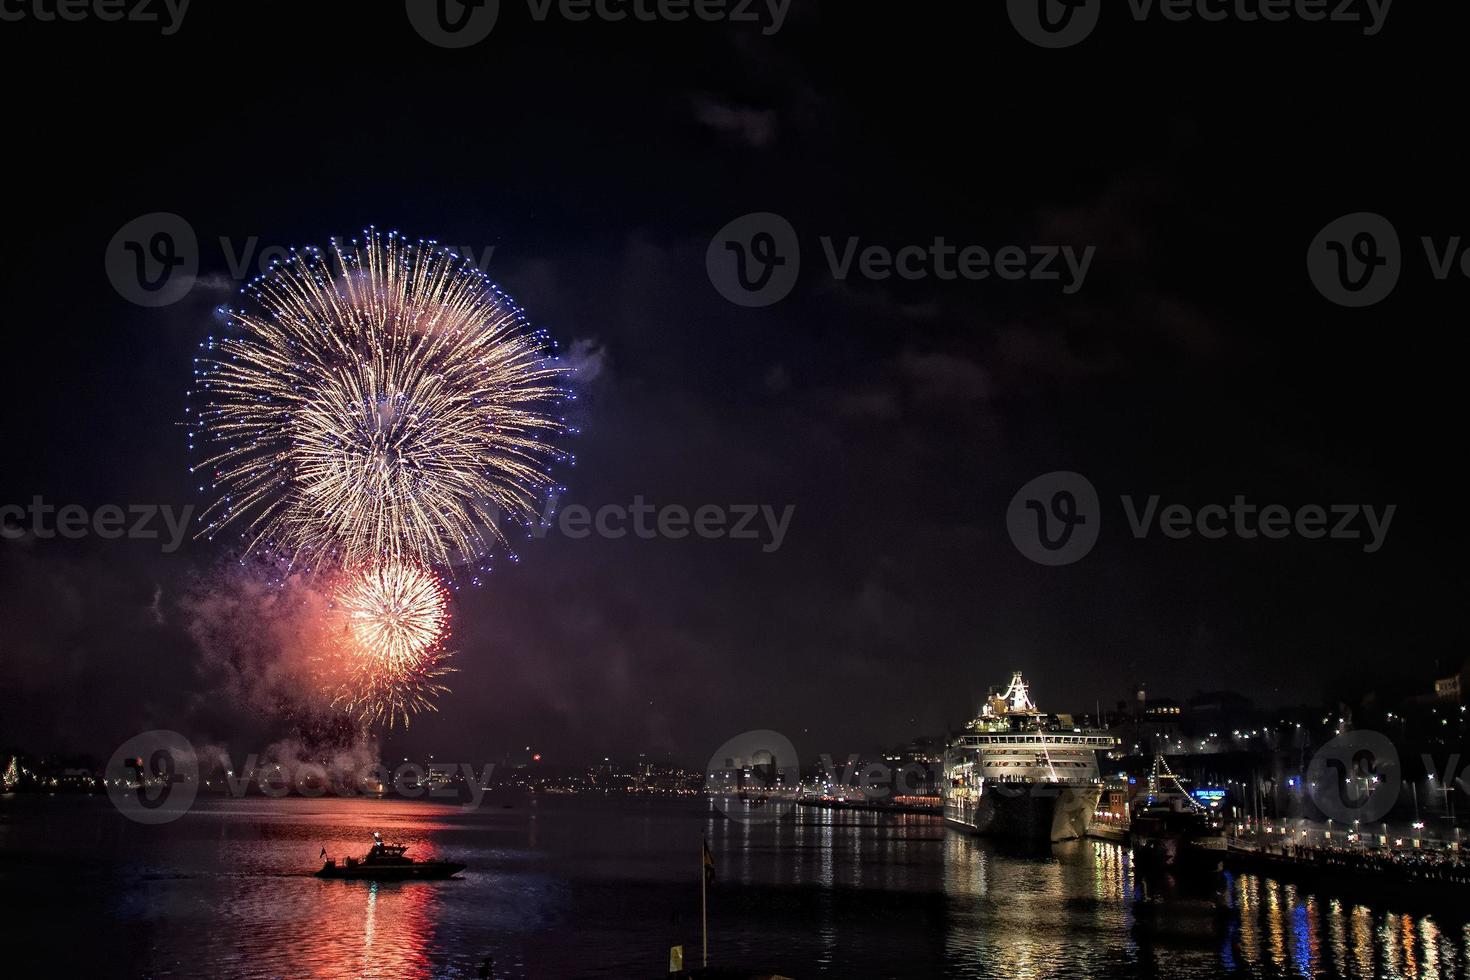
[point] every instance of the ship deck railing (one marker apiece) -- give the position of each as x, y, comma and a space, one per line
1038, 738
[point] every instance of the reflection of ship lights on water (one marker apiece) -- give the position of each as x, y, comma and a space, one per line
1282, 929
366, 928
371, 929
370, 921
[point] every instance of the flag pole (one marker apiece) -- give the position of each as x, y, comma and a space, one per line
703, 903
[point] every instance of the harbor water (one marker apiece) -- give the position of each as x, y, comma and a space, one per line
594, 886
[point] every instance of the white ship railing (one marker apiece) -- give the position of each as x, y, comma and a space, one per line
1095, 741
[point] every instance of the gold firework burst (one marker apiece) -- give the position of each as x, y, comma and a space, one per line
381, 403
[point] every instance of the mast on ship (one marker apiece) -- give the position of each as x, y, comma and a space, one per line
1014, 701
1018, 697
1161, 774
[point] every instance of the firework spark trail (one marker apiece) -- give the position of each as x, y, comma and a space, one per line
394, 624
383, 403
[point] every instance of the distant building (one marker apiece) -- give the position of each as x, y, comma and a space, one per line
1162, 708
1448, 688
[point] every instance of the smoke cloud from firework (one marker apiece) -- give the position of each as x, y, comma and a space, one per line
326, 653
267, 644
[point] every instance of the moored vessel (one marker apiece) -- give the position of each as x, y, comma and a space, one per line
1171, 829
1016, 771
1168, 837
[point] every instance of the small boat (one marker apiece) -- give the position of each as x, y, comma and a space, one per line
385, 862
1174, 830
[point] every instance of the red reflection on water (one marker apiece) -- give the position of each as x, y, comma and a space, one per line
372, 929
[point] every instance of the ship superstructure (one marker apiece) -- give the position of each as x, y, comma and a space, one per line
386, 862
1017, 771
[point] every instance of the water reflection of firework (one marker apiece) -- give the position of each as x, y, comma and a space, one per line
394, 621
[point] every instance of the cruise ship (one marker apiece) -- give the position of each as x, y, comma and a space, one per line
1019, 772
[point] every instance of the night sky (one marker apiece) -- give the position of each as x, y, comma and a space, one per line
1197, 361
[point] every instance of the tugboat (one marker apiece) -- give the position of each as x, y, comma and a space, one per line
385, 862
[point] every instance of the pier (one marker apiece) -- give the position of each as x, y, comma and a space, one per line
1417, 874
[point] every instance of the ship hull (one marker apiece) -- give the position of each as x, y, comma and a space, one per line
423, 871
1035, 812
1186, 853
